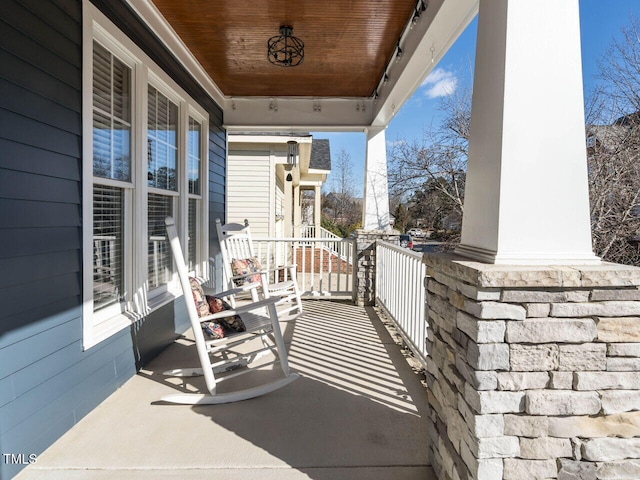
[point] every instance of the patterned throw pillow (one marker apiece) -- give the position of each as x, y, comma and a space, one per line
202, 307
213, 330
234, 323
244, 267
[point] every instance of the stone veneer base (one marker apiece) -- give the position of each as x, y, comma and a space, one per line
533, 372
366, 262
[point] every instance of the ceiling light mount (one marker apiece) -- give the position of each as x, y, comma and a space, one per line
285, 50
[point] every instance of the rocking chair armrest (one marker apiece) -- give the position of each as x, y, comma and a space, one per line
244, 308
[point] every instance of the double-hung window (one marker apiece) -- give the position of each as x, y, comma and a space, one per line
162, 180
112, 180
144, 159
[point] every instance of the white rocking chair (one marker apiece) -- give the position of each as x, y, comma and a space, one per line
260, 319
236, 244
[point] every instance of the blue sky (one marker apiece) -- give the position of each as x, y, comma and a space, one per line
600, 23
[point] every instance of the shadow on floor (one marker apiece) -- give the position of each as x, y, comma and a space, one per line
357, 412
357, 406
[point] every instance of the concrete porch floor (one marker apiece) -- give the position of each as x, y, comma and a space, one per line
357, 412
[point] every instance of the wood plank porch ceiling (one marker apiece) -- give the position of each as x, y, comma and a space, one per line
348, 43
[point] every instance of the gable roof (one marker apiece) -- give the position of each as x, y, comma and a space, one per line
320, 155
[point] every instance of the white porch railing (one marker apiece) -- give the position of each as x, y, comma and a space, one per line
325, 266
400, 276
311, 231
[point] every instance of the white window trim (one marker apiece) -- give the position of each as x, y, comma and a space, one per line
139, 301
202, 252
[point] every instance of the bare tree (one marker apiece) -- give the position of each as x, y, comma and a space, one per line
619, 71
613, 150
342, 182
432, 168
614, 181
614, 186
342, 211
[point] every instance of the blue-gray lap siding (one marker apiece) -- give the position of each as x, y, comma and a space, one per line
47, 381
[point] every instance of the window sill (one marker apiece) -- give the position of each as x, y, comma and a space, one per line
163, 299
94, 334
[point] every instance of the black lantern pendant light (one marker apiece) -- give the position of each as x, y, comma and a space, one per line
285, 50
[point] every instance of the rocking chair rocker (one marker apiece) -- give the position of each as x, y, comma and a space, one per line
261, 321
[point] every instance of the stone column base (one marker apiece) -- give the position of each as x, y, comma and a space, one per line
366, 262
533, 372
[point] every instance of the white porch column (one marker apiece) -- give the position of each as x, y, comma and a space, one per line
297, 211
526, 198
317, 207
375, 215
288, 209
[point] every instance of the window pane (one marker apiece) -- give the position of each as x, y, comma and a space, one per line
159, 254
162, 141
101, 78
192, 241
101, 146
193, 156
111, 116
120, 149
121, 85
108, 222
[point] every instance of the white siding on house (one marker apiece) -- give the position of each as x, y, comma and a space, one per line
249, 176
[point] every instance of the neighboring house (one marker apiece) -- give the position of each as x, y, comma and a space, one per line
343, 208
600, 137
102, 134
274, 177
609, 137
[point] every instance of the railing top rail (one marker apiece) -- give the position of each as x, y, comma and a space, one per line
399, 249
302, 239
327, 233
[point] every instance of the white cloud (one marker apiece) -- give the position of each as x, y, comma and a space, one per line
440, 83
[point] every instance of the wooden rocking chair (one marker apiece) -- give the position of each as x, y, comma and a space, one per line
261, 321
236, 245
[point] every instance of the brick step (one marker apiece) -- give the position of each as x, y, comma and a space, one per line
320, 260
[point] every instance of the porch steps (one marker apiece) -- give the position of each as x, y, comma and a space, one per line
320, 260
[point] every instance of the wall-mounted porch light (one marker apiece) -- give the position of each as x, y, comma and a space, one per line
292, 158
